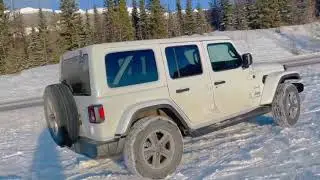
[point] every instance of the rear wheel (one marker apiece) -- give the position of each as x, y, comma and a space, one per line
153, 148
286, 105
61, 114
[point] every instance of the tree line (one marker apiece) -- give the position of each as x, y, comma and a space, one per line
149, 19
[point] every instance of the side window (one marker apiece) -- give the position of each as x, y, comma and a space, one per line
223, 56
183, 61
130, 68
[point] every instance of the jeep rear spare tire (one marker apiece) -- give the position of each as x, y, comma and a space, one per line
286, 105
153, 148
61, 114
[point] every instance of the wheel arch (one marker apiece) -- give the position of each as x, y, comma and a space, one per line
272, 81
152, 108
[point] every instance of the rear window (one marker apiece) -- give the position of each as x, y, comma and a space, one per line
75, 73
131, 68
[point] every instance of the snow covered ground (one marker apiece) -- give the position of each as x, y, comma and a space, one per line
256, 149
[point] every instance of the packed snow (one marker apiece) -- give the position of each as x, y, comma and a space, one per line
255, 149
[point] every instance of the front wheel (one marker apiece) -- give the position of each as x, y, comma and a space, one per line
153, 148
286, 105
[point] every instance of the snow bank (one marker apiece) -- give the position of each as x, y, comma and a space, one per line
27, 84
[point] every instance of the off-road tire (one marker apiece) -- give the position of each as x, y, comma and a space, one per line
137, 139
60, 108
286, 105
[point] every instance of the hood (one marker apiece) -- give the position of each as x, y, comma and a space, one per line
267, 68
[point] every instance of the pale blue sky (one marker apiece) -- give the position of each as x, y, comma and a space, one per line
85, 4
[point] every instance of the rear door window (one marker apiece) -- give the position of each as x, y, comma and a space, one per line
183, 61
75, 73
131, 68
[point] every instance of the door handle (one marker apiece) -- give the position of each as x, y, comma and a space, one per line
182, 90
219, 82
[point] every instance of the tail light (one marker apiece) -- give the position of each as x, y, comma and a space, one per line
96, 114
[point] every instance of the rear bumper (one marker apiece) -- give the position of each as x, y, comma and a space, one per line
96, 150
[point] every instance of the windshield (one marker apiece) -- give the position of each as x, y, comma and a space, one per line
75, 73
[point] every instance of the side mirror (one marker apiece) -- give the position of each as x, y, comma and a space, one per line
246, 60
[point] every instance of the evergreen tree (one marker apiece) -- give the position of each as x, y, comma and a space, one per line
265, 16
241, 16
36, 50
68, 19
144, 24
18, 52
43, 36
276, 16
189, 28
317, 4
228, 19
4, 37
170, 24
180, 17
157, 21
173, 26
300, 11
54, 39
124, 23
97, 29
80, 31
216, 14
286, 11
269, 13
135, 19
311, 10
110, 21
202, 25
88, 30
253, 16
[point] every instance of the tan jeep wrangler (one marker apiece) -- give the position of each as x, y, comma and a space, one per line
141, 98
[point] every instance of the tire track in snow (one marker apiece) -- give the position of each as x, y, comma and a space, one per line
21, 104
